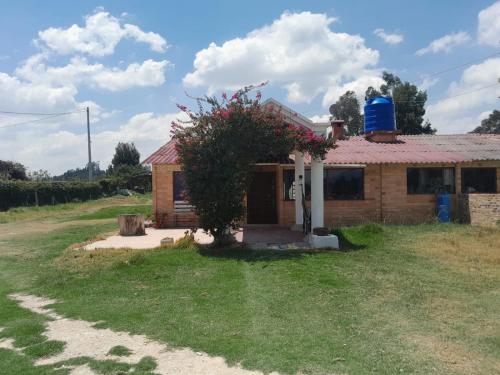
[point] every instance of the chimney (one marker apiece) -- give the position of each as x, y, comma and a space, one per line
338, 129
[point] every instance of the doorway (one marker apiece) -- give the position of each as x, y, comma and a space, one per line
261, 199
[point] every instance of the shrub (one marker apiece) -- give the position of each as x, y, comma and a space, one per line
30, 193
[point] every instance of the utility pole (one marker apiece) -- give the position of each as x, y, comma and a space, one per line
89, 165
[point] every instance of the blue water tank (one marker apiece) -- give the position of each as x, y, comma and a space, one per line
443, 208
379, 114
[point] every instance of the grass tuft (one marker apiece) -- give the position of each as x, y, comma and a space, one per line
120, 351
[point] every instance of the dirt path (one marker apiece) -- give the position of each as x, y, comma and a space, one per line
82, 339
17, 229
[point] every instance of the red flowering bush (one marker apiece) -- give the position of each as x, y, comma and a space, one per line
219, 146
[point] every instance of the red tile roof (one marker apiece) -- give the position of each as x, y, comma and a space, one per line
408, 149
166, 154
417, 149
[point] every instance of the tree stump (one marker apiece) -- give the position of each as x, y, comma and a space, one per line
131, 225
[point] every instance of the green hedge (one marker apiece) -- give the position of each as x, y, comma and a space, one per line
29, 193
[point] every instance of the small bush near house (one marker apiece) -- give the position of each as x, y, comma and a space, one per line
30, 193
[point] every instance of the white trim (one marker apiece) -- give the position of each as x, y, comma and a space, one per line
288, 112
183, 207
339, 166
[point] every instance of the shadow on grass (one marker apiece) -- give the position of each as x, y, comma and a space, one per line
240, 252
346, 244
243, 253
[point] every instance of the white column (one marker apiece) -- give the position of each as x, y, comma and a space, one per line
299, 172
317, 199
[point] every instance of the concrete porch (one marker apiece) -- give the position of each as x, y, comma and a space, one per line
255, 237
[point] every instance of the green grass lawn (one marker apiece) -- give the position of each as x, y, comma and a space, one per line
402, 300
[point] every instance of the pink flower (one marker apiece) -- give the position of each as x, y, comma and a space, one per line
224, 96
235, 96
225, 114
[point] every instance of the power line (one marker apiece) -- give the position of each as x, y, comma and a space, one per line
470, 62
36, 120
450, 97
471, 91
38, 114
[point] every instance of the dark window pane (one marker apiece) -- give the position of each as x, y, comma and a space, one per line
479, 180
344, 184
179, 187
289, 184
430, 180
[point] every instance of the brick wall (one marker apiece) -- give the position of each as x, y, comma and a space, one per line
163, 199
480, 209
385, 197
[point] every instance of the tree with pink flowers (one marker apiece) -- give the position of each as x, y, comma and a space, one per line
219, 146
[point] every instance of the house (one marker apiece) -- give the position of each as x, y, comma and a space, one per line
377, 177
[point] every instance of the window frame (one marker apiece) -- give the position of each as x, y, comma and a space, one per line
453, 186
307, 180
462, 180
174, 179
325, 179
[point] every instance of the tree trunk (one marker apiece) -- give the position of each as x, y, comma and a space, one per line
131, 225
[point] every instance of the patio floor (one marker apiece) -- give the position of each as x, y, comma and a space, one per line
275, 238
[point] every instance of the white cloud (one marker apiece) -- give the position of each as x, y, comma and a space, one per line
484, 115
467, 98
37, 85
298, 51
358, 85
320, 118
428, 83
445, 43
60, 150
99, 37
149, 73
390, 38
488, 30
35, 97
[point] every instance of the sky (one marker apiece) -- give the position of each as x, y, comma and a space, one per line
131, 62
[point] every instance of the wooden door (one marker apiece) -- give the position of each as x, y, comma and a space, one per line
261, 199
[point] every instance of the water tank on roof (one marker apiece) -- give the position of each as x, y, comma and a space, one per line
379, 114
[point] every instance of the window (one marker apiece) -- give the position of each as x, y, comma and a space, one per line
430, 180
479, 180
344, 184
339, 184
179, 187
289, 184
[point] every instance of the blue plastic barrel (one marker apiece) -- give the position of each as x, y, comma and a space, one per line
443, 208
379, 114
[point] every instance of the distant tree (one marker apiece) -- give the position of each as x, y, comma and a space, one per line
409, 103
490, 125
80, 173
347, 108
126, 170
10, 170
39, 175
125, 154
